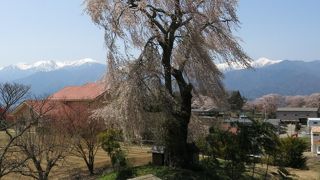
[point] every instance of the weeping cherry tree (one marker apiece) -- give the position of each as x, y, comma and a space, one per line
161, 53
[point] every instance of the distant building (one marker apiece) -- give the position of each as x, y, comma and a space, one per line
90, 94
242, 120
296, 115
7, 117
229, 127
212, 112
228, 124
313, 122
69, 99
2, 113
276, 123
315, 140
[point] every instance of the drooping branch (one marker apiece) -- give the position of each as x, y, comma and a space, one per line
154, 21
187, 38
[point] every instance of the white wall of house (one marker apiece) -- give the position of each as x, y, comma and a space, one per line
315, 142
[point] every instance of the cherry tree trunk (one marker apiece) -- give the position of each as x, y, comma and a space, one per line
178, 153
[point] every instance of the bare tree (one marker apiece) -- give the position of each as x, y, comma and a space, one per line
295, 101
84, 132
46, 144
313, 100
11, 94
268, 104
178, 42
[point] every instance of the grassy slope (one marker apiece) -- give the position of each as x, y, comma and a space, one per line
163, 173
311, 173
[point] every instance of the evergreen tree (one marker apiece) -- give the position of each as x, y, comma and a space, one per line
236, 101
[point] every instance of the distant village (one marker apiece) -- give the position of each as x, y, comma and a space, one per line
289, 121
230, 117
164, 104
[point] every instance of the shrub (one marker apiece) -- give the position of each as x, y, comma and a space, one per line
291, 153
228, 147
125, 173
110, 142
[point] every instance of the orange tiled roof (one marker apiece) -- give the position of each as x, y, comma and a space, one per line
227, 127
56, 107
88, 91
315, 129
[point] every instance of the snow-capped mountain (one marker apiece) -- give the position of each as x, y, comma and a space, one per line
259, 63
45, 66
262, 62
22, 70
46, 77
284, 77
269, 76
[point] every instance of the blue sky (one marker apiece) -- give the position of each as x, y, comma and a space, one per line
281, 29
33, 30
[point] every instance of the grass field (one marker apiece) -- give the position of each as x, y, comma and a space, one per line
74, 167
162, 172
312, 173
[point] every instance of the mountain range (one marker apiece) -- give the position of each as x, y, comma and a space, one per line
266, 76
46, 77
281, 77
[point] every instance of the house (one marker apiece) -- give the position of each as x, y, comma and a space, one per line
296, 115
276, 124
90, 94
39, 112
40, 109
208, 112
230, 128
2, 113
241, 119
7, 117
315, 140
69, 99
313, 122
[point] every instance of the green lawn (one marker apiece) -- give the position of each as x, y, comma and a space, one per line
162, 172
167, 173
